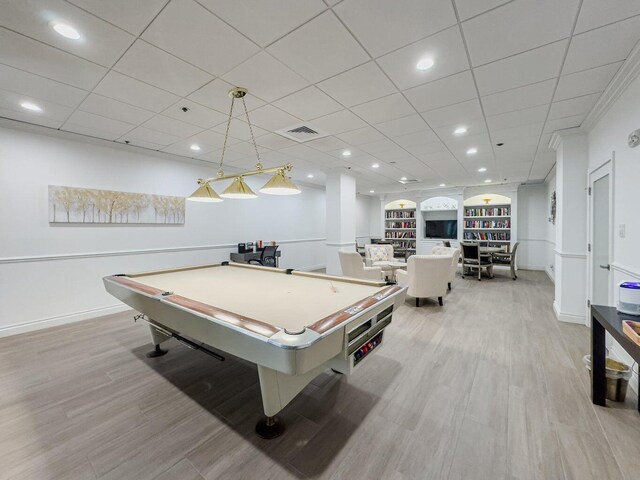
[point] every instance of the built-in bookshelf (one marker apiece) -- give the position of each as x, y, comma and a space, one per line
400, 230
491, 224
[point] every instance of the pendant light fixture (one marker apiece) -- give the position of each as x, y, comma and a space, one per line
279, 184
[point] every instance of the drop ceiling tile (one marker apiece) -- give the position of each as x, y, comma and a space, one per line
151, 65
209, 137
471, 8
10, 102
134, 92
379, 146
562, 123
403, 126
519, 98
330, 145
183, 148
358, 85
266, 77
110, 108
192, 33
383, 26
384, 109
526, 24
134, 142
516, 134
308, 103
100, 42
319, 49
240, 130
247, 149
34, 86
35, 57
440, 93
426, 149
458, 114
120, 13
89, 132
339, 122
271, 118
593, 80
596, 13
27, 117
152, 136
602, 46
274, 141
415, 139
302, 152
196, 114
264, 21
474, 126
114, 128
518, 118
171, 126
360, 136
523, 69
216, 95
445, 49
573, 106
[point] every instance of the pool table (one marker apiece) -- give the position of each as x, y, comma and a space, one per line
292, 324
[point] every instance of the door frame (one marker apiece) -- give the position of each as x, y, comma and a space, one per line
605, 168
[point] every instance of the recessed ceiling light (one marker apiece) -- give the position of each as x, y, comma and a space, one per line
66, 31
403, 179
488, 180
375, 165
195, 147
482, 169
372, 191
424, 63
310, 175
31, 106
346, 153
442, 185
460, 130
472, 151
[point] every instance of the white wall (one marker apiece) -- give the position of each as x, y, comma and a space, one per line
607, 136
52, 274
532, 228
550, 239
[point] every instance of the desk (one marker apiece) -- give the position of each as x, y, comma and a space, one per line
245, 257
607, 319
490, 250
293, 325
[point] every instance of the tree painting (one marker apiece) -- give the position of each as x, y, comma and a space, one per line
82, 205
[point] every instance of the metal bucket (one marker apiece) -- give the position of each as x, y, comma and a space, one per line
618, 375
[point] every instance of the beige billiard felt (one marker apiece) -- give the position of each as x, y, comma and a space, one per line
286, 301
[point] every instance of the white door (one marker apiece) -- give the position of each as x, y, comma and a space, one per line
601, 228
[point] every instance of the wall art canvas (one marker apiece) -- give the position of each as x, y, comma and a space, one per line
85, 205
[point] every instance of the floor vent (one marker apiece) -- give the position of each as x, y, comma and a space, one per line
302, 132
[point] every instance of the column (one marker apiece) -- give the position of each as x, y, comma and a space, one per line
571, 225
341, 218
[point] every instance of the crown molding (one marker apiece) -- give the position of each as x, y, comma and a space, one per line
558, 135
621, 80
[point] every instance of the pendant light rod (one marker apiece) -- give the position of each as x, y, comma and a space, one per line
287, 168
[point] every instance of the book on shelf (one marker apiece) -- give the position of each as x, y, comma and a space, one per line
496, 236
393, 234
401, 225
487, 212
487, 224
391, 214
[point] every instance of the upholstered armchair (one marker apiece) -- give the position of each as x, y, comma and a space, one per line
455, 257
426, 276
379, 255
352, 266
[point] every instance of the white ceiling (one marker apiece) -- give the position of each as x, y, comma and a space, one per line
512, 72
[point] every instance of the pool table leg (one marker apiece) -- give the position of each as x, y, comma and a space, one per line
269, 427
157, 337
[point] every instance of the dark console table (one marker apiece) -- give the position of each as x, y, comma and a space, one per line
245, 257
607, 319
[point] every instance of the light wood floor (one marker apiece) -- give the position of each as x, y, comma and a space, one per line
490, 386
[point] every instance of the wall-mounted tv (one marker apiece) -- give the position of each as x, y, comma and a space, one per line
441, 229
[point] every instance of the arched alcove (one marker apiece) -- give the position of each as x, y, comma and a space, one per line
439, 218
400, 204
438, 204
487, 199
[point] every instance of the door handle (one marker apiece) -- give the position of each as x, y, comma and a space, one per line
606, 267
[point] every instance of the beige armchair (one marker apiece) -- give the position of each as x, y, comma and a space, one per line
455, 257
426, 276
380, 255
352, 266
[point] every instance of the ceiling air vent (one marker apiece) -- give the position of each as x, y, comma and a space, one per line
409, 180
301, 132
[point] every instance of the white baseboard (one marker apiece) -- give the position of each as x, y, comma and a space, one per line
61, 320
531, 267
568, 317
553, 280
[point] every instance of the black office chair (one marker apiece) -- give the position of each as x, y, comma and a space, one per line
446, 243
472, 260
267, 257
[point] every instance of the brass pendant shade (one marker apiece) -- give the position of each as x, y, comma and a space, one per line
238, 189
279, 184
205, 193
